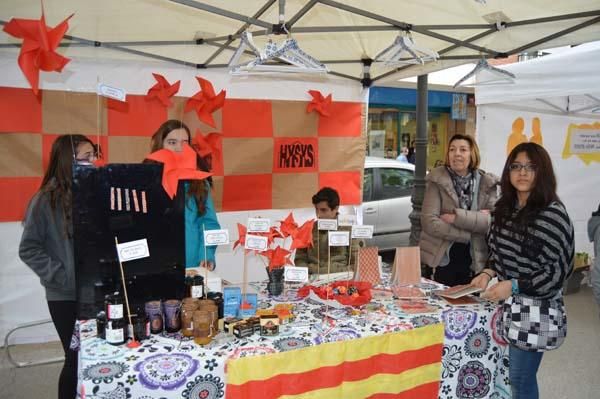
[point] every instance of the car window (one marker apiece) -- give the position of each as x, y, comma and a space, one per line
396, 182
368, 185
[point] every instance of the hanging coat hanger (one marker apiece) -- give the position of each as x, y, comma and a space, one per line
500, 75
404, 51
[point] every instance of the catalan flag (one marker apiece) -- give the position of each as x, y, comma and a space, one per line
404, 364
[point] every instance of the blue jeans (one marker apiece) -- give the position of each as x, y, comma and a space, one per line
523, 367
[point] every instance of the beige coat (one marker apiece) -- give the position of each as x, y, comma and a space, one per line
469, 225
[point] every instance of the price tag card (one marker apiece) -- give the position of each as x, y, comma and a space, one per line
327, 224
256, 243
111, 92
295, 273
346, 220
339, 238
133, 250
258, 225
216, 237
364, 231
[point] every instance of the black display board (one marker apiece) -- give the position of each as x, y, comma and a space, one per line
97, 220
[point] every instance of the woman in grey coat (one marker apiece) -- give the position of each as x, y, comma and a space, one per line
456, 214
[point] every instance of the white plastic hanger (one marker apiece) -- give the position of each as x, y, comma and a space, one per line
500, 76
405, 51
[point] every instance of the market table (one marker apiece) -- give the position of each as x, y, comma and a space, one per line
451, 352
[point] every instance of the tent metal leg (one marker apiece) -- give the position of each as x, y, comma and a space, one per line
18, 364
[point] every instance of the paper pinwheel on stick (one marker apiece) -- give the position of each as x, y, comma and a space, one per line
162, 91
177, 166
205, 102
38, 51
319, 103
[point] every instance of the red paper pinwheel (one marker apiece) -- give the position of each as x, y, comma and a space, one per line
241, 236
207, 145
277, 257
205, 102
319, 103
39, 45
162, 90
303, 238
177, 166
288, 226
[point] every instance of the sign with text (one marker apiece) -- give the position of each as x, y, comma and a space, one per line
295, 155
585, 141
364, 231
339, 238
256, 243
258, 225
296, 273
111, 92
216, 237
327, 224
133, 250
346, 220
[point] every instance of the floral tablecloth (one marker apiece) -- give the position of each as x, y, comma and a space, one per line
474, 359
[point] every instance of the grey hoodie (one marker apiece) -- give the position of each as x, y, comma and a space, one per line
594, 235
46, 249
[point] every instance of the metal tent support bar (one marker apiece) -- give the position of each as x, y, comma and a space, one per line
18, 364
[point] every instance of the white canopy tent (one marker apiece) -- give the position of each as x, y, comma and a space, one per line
563, 91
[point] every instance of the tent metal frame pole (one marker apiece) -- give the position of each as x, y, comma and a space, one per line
555, 35
230, 39
302, 12
224, 13
420, 160
548, 103
553, 18
597, 102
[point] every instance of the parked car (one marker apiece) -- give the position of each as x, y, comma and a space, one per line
387, 190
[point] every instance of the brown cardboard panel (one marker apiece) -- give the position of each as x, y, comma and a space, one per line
217, 192
291, 120
66, 112
341, 154
190, 118
294, 191
128, 149
20, 155
243, 156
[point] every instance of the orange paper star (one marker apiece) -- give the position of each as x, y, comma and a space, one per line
205, 102
39, 45
319, 103
303, 238
177, 166
288, 226
271, 235
277, 257
162, 90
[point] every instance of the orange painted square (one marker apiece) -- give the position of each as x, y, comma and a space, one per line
247, 118
16, 193
344, 120
247, 192
347, 184
20, 110
135, 117
48, 140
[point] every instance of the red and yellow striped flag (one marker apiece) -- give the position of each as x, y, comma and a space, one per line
404, 364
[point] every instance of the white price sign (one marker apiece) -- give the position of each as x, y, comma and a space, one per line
339, 238
585, 141
296, 273
258, 225
133, 250
111, 92
364, 231
327, 224
216, 237
346, 220
256, 243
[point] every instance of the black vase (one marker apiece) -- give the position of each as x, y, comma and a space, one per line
275, 284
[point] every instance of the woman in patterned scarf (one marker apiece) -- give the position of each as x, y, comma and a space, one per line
456, 215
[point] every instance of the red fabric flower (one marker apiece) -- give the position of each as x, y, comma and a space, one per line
39, 45
162, 90
205, 102
319, 103
177, 166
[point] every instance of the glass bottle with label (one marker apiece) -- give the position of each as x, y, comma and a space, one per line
114, 306
197, 288
115, 331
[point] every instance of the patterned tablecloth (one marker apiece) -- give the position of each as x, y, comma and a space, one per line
474, 359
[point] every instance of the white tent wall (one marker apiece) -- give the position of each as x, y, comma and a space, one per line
21, 295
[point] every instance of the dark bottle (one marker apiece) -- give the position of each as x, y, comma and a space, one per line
101, 324
217, 297
197, 288
141, 325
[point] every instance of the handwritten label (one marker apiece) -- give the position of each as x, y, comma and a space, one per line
327, 224
133, 250
585, 141
339, 238
111, 92
258, 225
256, 243
346, 220
216, 237
296, 273
364, 231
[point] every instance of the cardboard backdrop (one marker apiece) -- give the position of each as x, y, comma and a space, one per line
270, 154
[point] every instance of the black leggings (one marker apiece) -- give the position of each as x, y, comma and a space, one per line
458, 271
63, 315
